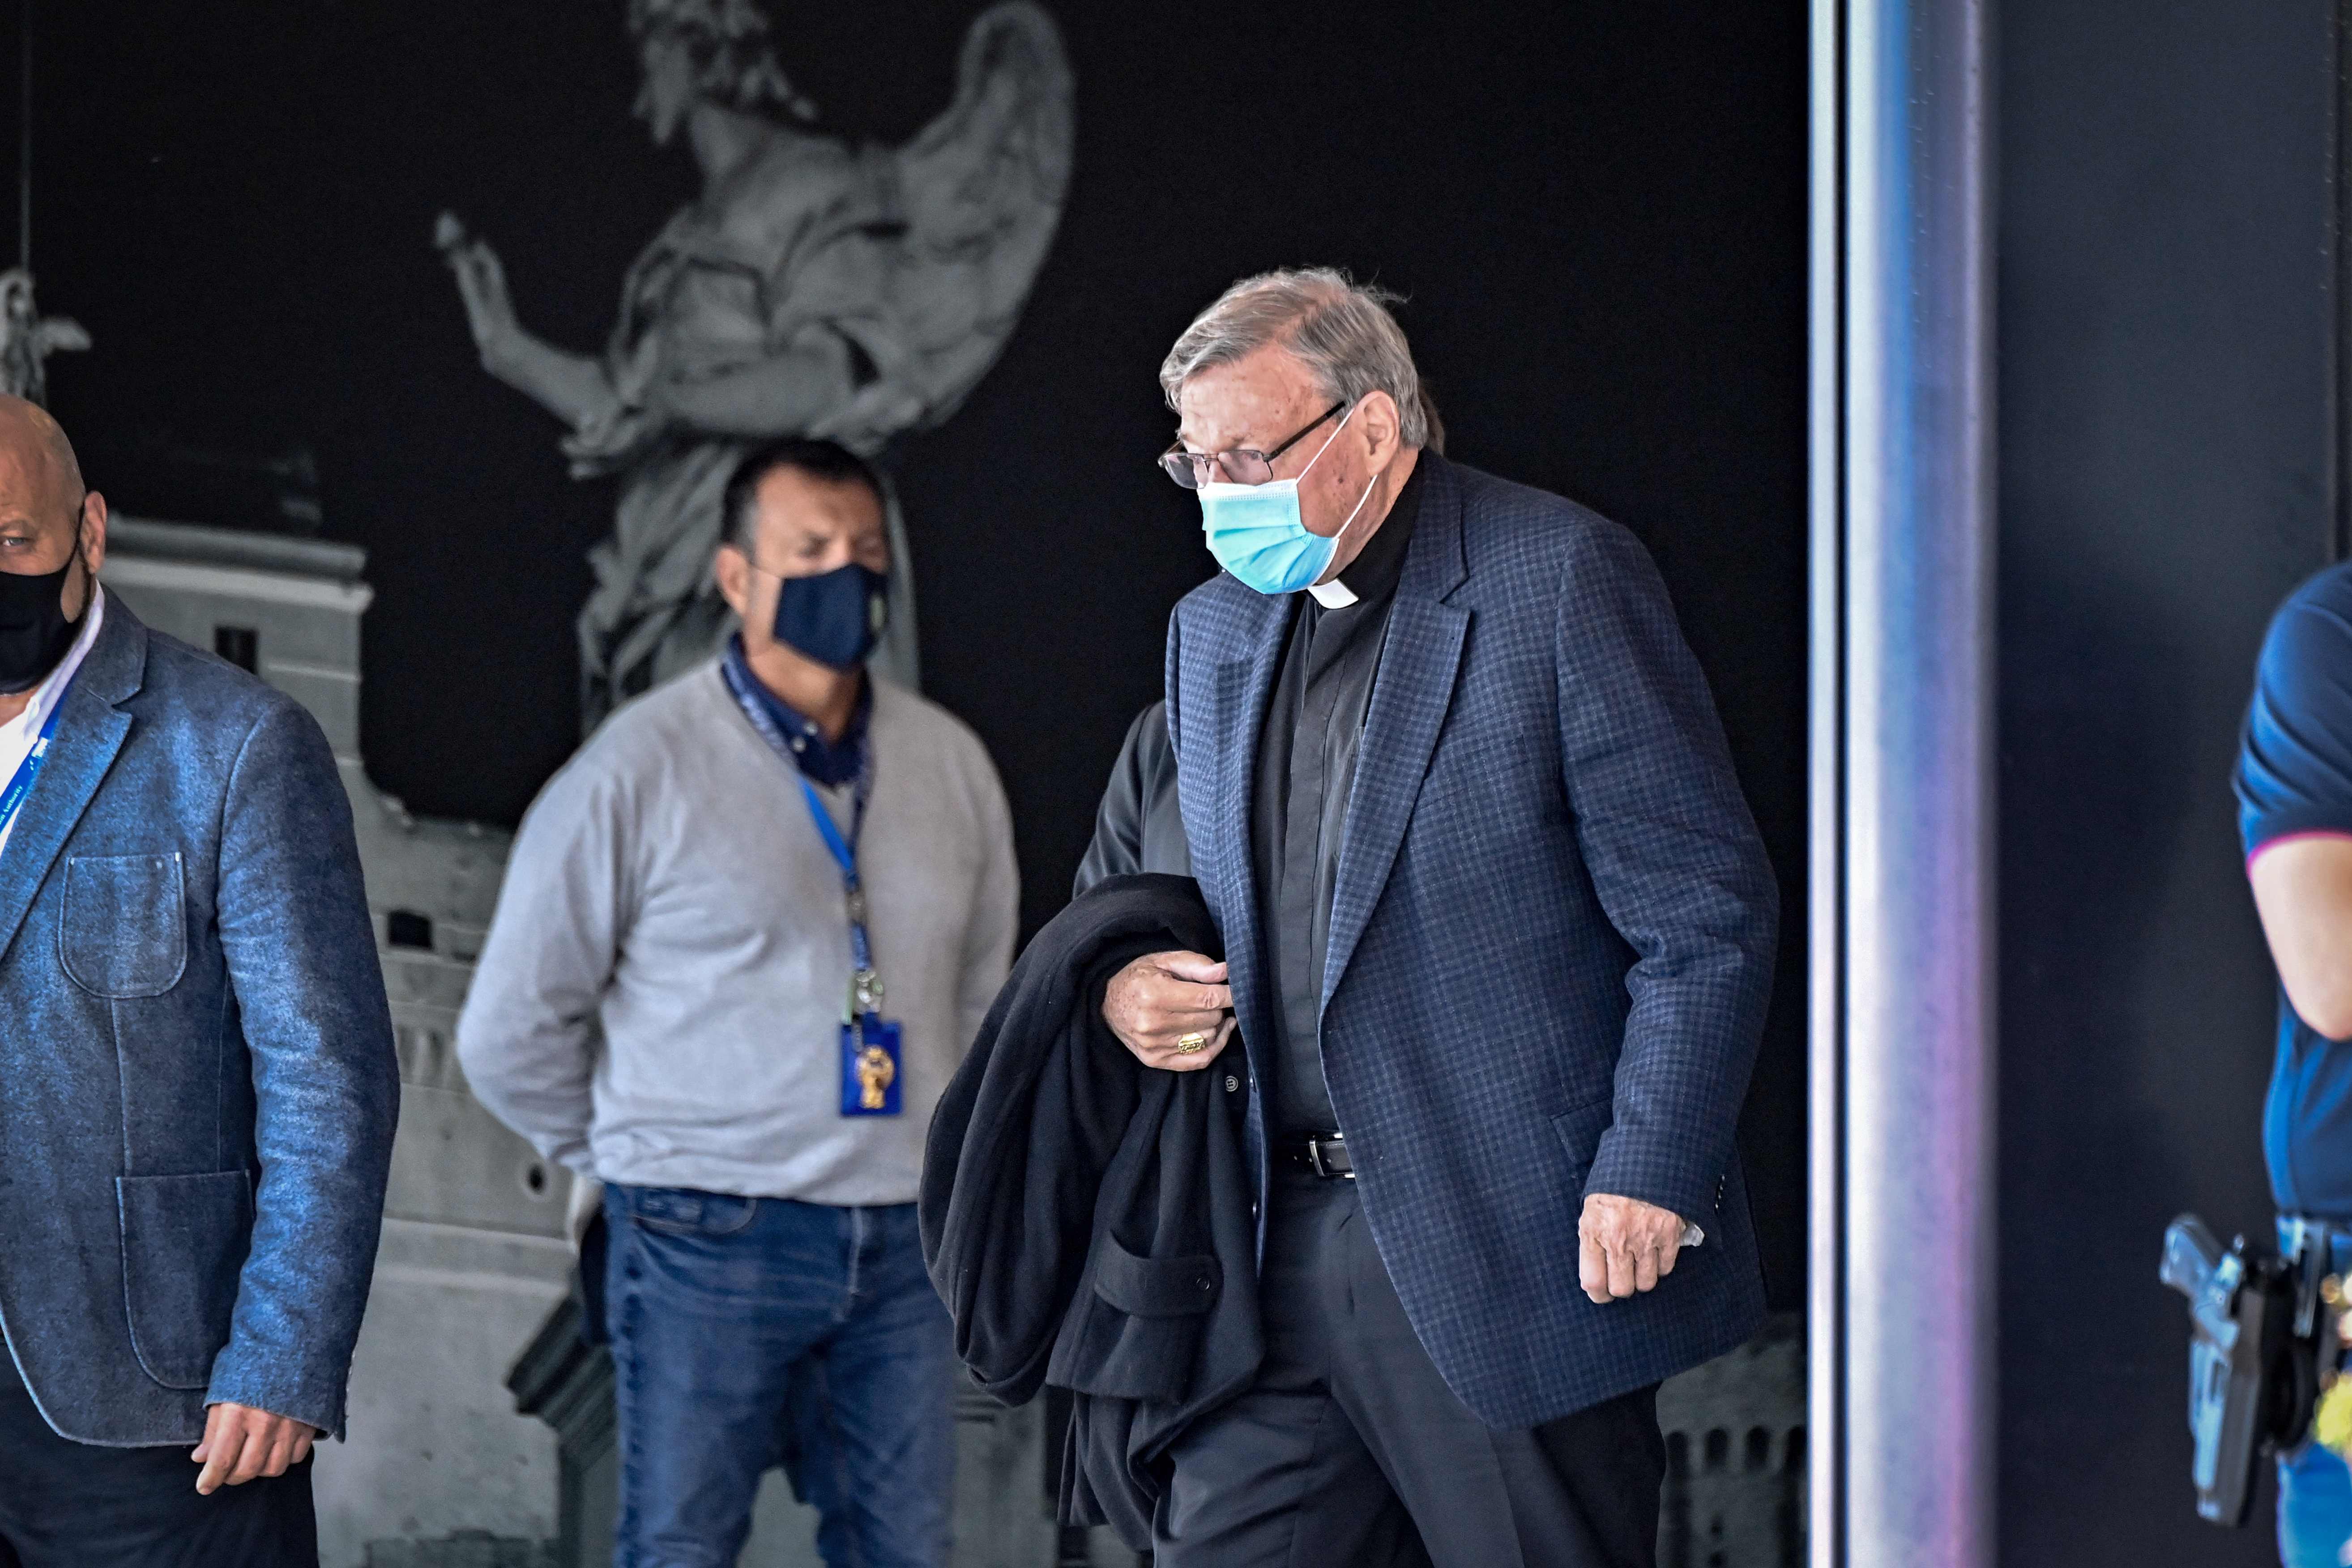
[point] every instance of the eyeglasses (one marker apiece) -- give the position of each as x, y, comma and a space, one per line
1242, 466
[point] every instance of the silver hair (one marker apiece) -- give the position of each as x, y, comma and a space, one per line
1340, 329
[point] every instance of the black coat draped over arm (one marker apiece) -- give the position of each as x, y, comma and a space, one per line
1087, 1218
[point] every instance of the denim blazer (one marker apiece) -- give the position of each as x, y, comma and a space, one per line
1551, 937
198, 1080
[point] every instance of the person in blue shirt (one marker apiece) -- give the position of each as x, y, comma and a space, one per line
2294, 793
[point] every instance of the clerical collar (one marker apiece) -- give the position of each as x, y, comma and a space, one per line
1334, 594
1373, 575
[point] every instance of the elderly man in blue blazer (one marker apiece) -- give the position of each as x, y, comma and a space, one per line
197, 1082
1498, 931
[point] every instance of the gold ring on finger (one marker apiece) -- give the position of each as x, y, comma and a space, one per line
1189, 1043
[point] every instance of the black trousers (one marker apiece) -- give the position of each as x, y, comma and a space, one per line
1350, 1449
75, 1505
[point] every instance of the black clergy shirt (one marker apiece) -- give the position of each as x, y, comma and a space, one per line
1306, 763
1139, 826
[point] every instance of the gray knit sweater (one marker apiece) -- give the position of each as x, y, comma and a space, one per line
669, 896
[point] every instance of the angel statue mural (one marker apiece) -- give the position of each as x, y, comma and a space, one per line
813, 289
27, 338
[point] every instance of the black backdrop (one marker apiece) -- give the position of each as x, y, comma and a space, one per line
2170, 469
1597, 211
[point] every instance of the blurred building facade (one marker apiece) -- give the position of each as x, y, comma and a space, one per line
475, 1252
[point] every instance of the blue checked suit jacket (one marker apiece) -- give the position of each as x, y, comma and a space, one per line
1551, 937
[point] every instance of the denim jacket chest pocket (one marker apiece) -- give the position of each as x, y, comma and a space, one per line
124, 932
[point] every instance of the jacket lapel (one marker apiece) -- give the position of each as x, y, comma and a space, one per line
1411, 690
1217, 780
90, 731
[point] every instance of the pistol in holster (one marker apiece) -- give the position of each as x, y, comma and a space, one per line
2262, 1339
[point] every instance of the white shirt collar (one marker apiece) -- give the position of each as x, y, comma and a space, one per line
1333, 595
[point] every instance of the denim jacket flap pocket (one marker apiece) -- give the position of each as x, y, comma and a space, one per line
125, 926
185, 1238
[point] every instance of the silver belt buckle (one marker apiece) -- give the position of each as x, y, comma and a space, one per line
1315, 1160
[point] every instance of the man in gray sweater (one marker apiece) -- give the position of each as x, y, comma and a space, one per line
746, 936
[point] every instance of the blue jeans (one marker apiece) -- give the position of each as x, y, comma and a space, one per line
2314, 1495
2315, 1508
749, 1331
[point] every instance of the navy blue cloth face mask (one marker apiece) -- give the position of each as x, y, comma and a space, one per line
835, 617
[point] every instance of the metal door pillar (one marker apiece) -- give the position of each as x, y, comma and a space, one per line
1903, 1296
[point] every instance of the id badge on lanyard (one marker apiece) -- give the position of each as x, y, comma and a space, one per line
870, 1058
869, 1042
869, 1067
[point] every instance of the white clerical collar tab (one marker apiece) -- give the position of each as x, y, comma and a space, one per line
1333, 595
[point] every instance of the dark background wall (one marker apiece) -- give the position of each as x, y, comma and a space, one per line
1598, 212
2168, 474
1596, 209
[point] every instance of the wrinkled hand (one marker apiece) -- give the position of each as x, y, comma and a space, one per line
241, 1443
1624, 1244
1162, 997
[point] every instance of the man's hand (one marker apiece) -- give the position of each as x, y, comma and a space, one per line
1624, 1246
1164, 997
241, 1443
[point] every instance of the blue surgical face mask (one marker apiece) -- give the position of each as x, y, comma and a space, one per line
835, 617
1256, 533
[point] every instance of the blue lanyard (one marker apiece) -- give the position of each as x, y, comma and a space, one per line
865, 985
12, 798
844, 855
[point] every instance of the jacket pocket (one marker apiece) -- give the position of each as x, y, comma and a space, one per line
1137, 1333
185, 1238
1498, 762
125, 930
1580, 1130
1156, 1287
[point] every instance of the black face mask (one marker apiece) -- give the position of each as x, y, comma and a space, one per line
33, 630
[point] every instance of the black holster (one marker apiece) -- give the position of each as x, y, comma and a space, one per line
2258, 1328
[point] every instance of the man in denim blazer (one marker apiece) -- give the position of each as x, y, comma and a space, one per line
1498, 934
198, 1082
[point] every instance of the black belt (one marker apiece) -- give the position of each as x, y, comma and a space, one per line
1324, 1153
